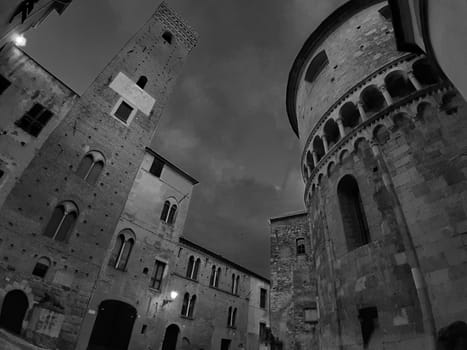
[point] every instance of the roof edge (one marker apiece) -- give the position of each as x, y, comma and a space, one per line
342, 13
288, 216
173, 166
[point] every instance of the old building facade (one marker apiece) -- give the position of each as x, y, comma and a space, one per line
68, 188
383, 140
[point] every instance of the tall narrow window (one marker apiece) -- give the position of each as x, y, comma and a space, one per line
369, 323
142, 81
218, 274
300, 243
190, 267
237, 282
165, 211
156, 280
262, 332
229, 316
63, 218
125, 255
232, 315
196, 269
34, 120
172, 212
352, 212
156, 167
191, 306
4, 84
91, 167
233, 284
262, 298
212, 279
186, 301
41, 267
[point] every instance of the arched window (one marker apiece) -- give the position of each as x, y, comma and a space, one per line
232, 315
218, 274
309, 160
350, 115
424, 72
122, 250
63, 218
233, 284
212, 279
237, 280
229, 317
196, 269
316, 65
190, 267
172, 212
372, 99
186, 301
91, 167
165, 211
398, 84
300, 243
318, 147
142, 81
352, 212
41, 267
167, 36
331, 130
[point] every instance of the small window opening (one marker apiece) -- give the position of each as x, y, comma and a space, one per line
34, 120
142, 81
263, 293
311, 314
145, 271
143, 329
386, 12
123, 111
1, 173
156, 167
369, 323
41, 267
167, 36
300, 243
4, 84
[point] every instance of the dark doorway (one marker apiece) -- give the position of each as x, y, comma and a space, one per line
170, 337
225, 344
113, 326
15, 305
369, 322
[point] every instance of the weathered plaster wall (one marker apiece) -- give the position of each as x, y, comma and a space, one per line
257, 314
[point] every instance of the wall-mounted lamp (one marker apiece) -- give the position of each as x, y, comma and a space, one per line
173, 296
19, 40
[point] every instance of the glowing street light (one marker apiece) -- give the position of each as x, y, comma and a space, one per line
173, 295
19, 40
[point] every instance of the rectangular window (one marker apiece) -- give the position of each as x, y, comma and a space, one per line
262, 298
156, 167
35, 119
4, 84
262, 332
156, 279
225, 344
123, 111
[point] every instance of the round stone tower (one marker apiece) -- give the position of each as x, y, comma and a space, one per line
384, 159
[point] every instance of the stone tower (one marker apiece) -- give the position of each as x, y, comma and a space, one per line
57, 223
384, 162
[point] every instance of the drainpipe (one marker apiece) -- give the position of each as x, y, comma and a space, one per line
411, 253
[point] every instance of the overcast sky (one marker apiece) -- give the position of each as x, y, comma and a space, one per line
225, 123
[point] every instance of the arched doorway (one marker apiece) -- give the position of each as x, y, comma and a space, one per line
113, 326
15, 305
170, 337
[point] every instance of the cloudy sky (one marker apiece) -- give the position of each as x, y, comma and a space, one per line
226, 123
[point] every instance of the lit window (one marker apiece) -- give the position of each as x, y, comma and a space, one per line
34, 120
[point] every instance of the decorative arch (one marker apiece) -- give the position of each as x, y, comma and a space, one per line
171, 337
320, 179
350, 115
309, 160
372, 99
424, 72
91, 166
381, 134
169, 211
14, 307
318, 147
62, 221
331, 167
316, 65
352, 213
426, 111
123, 247
403, 121
358, 142
343, 155
448, 102
398, 84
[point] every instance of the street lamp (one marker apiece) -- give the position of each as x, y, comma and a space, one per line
173, 296
19, 40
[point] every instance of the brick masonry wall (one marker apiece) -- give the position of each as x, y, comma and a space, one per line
293, 284
50, 177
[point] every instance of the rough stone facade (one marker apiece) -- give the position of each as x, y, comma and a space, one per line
383, 161
293, 285
56, 303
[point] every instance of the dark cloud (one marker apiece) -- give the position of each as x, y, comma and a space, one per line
226, 122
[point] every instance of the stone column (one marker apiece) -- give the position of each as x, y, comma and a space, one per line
340, 125
361, 110
325, 143
414, 81
386, 95
315, 158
